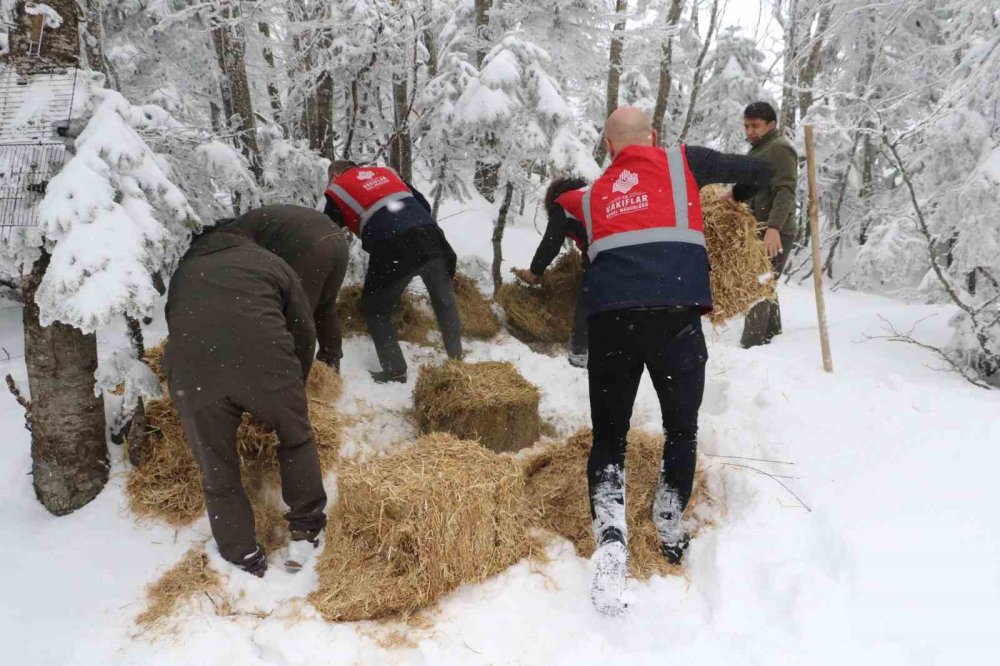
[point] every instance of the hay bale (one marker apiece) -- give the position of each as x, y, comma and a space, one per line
410, 528
412, 322
739, 261
167, 486
557, 492
545, 313
188, 578
478, 320
488, 402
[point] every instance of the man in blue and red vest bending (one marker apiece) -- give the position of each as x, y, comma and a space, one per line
645, 292
393, 221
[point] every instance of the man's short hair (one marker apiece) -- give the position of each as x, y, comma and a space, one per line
762, 111
338, 167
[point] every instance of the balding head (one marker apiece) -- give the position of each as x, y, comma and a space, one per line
628, 126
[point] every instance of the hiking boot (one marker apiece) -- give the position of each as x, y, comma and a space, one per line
384, 377
300, 551
674, 552
607, 586
255, 563
578, 360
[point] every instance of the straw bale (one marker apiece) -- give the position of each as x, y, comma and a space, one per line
739, 261
545, 313
478, 320
412, 322
557, 492
190, 577
410, 528
489, 402
167, 486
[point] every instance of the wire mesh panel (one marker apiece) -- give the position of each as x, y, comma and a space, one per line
25, 171
35, 106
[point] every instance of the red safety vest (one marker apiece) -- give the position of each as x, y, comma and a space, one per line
572, 203
360, 192
647, 195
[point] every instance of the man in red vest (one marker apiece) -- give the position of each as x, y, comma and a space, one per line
563, 201
393, 221
645, 292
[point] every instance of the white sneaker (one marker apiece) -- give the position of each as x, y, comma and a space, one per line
299, 552
607, 587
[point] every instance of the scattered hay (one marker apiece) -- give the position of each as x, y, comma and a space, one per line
154, 359
737, 257
545, 313
410, 528
557, 492
167, 486
412, 322
478, 320
190, 577
488, 402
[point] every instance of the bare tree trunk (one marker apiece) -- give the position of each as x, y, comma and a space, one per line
807, 75
666, 64
614, 72
400, 148
699, 70
230, 49
273, 93
789, 92
487, 174
498, 239
69, 451
321, 130
92, 38
482, 30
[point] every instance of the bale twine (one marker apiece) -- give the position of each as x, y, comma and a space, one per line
488, 402
557, 493
741, 271
478, 320
410, 528
545, 313
412, 322
167, 486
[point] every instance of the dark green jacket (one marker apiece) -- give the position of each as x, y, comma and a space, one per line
774, 205
238, 320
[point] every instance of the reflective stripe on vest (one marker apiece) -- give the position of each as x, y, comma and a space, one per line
677, 230
365, 214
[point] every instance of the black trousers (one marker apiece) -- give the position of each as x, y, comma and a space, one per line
578, 338
322, 271
670, 344
763, 322
379, 297
211, 434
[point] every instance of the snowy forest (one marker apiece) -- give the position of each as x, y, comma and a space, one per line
184, 112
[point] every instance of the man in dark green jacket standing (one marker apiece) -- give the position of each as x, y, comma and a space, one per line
774, 208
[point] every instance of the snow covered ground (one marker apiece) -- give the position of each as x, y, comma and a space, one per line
895, 561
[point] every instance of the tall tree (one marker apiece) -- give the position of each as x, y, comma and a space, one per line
666, 64
614, 70
699, 71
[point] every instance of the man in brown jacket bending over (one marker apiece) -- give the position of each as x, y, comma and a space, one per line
242, 340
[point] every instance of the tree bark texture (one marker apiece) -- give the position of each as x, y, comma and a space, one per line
498, 230
487, 174
401, 146
666, 65
230, 49
699, 70
807, 75
69, 451
789, 92
614, 72
273, 94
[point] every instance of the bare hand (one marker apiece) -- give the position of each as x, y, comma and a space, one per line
526, 275
725, 195
772, 243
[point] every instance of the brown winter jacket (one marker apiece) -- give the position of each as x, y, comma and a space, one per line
238, 319
774, 205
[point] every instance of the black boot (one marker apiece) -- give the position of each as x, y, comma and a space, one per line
255, 563
384, 377
674, 552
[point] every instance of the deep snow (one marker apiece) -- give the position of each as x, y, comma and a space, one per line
894, 563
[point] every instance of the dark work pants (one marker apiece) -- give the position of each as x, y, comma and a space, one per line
321, 271
211, 434
378, 302
670, 344
763, 322
578, 338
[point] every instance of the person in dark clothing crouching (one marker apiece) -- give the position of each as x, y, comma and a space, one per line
645, 292
316, 249
393, 221
563, 205
241, 339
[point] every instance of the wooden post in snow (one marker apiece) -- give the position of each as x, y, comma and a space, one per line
824, 338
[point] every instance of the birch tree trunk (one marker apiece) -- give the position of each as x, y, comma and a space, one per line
666, 64
614, 72
498, 230
487, 175
69, 451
